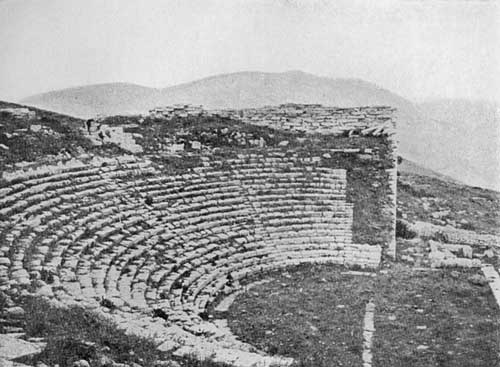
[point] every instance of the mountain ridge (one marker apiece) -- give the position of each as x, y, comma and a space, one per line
63, 100
432, 135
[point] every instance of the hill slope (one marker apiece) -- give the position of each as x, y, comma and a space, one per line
43, 135
237, 90
88, 101
433, 142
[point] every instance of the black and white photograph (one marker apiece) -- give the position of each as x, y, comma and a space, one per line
249, 183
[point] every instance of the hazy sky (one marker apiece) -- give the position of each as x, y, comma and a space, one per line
418, 48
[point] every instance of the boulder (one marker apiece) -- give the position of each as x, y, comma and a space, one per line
489, 253
478, 279
14, 348
105, 361
81, 363
45, 291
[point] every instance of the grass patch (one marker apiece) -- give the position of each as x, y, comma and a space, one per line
75, 333
314, 314
402, 231
435, 318
455, 322
461, 206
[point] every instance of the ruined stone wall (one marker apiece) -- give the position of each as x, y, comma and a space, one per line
362, 141
376, 120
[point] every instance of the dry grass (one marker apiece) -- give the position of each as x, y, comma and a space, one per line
298, 315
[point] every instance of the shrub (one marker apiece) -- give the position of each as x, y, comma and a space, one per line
468, 226
402, 231
107, 303
413, 191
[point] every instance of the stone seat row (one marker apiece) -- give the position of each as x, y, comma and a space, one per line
73, 253
32, 210
199, 235
26, 183
253, 257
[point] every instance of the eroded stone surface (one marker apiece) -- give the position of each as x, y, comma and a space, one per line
493, 279
13, 347
368, 331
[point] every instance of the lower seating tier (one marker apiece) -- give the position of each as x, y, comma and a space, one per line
128, 237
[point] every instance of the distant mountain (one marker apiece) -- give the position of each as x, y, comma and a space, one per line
88, 101
237, 90
426, 135
468, 134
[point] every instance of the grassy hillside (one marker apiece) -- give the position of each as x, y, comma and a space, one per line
43, 134
407, 166
106, 99
444, 202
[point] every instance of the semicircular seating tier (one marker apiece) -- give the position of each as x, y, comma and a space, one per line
124, 233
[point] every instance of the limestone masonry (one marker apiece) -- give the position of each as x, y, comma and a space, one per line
314, 118
129, 235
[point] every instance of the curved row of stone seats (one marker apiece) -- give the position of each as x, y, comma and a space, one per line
18, 184
96, 272
45, 212
196, 237
184, 213
293, 199
108, 232
266, 259
194, 276
184, 210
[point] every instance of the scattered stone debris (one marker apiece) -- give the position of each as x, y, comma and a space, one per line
446, 255
478, 279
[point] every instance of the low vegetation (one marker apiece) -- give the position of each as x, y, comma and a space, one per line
76, 333
435, 318
443, 202
45, 134
402, 231
315, 314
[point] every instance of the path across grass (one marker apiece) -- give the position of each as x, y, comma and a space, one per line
315, 314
